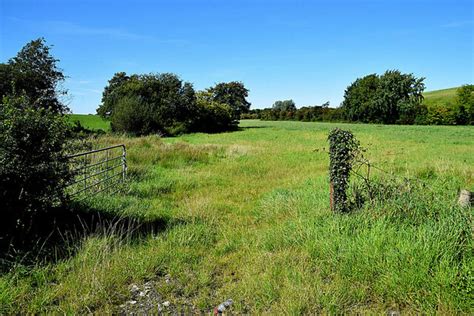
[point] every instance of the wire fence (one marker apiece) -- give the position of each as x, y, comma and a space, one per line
366, 171
100, 170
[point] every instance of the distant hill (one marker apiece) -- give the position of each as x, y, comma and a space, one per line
441, 98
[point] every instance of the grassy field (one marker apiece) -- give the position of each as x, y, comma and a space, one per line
90, 121
245, 215
440, 98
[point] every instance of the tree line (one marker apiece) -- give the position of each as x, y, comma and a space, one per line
390, 98
397, 98
286, 111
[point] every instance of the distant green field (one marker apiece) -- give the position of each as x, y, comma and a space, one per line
441, 98
90, 121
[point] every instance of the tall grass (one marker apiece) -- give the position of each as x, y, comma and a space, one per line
246, 216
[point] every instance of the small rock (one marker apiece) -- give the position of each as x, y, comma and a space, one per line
141, 294
166, 304
223, 306
132, 302
134, 289
465, 198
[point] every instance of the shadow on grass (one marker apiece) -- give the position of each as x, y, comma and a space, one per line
57, 234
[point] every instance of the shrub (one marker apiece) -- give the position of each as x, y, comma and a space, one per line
212, 116
131, 115
33, 132
33, 164
249, 116
465, 100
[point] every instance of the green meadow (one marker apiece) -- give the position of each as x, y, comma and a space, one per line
90, 121
245, 215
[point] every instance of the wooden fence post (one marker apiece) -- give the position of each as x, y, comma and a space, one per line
331, 195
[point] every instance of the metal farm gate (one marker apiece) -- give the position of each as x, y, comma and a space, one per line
97, 171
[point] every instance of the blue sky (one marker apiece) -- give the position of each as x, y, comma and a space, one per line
308, 51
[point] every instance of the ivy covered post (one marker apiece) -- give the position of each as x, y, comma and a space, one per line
343, 148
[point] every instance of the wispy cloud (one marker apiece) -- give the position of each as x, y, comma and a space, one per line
76, 29
69, 28
79, 82
456, 24
79, 91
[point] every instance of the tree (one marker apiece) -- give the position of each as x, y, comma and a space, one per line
33, 73
6, 80
152, 103
33, 134
465, 99
212, 116
391, 98
109, 96
233, 94
398, 97
286, 105
358, 99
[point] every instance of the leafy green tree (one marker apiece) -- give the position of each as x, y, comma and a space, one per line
286, 105
6, 80
462, 116
391, 98
359, 98
34, 73
398, 97
233, 94
110, 95
465, 99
